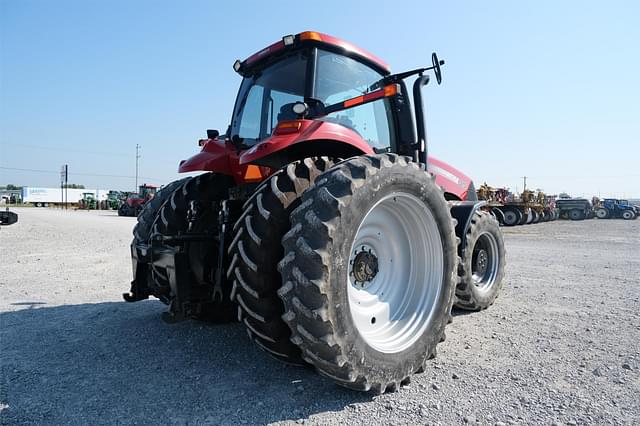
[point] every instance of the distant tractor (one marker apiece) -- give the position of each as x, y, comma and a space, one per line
636, 208
575, 208
320, 222
611, 208
113, 201
88, 201
135, 202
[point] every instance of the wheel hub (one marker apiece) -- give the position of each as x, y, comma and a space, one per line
364, 266
482, 261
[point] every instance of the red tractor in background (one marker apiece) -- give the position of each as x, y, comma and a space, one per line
320, 222
133, 204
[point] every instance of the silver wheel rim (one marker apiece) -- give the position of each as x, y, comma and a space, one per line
395, 272
484, 262
601, 213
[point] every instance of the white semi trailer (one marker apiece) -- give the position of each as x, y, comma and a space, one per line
42, 197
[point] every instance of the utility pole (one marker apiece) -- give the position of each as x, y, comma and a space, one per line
137, 158
525, 183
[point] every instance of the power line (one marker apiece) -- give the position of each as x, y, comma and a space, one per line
50, 148
78, 173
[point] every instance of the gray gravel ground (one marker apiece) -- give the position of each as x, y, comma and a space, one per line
560, 346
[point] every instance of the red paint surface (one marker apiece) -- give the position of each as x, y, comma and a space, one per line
449, 178
220, 157
310, 131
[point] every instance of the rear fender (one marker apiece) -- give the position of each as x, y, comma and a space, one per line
452, 180
214, 157
222, 157
314, 137
463, 211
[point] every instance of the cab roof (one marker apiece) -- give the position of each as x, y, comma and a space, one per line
318, 39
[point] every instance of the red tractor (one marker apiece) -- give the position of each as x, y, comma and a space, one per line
320, 222
134, 203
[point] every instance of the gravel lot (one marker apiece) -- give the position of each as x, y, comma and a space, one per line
560, 346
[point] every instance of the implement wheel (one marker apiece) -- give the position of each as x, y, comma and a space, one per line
512, 217
576, 214
369, 272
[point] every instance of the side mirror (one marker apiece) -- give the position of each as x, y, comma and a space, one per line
436, 67
212, 134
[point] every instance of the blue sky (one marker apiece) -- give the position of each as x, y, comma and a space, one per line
545, 89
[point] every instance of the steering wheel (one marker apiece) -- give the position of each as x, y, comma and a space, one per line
436, 67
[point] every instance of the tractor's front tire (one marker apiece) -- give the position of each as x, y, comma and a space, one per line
256, 250
369, 272
482, 267
628, 215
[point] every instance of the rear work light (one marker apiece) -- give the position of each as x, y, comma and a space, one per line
288, 40
237, 65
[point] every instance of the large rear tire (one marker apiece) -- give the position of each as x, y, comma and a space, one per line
203, 194
482, 267
370, 272
256, 250
602, 213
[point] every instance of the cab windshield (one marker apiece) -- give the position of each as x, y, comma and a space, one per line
268, 96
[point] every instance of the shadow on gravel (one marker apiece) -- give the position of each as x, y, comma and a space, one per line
118, 362
455, 312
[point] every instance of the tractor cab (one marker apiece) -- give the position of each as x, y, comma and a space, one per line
316, 85
309, 77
